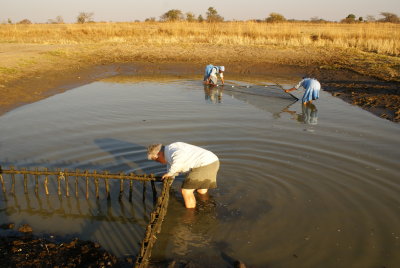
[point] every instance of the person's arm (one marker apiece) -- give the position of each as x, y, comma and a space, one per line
175, 166
295, 87
207, 81
290, 89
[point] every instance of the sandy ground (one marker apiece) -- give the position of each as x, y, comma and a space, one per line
43, 76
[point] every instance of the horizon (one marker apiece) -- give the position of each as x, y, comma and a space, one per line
41, 11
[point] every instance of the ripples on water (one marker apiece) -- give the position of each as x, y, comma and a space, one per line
299, 186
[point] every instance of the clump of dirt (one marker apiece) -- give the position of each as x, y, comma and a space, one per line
23, 249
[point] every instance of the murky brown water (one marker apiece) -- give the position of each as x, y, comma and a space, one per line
299, 186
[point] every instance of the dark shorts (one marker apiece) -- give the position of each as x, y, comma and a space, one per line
202, 177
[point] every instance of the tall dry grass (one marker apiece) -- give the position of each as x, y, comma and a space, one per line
381, 38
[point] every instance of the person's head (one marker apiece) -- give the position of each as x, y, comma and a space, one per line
156, 152
222, 69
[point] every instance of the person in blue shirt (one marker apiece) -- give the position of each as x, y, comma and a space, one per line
312, 87
211, 72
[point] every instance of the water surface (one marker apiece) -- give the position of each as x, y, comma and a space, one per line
314, 186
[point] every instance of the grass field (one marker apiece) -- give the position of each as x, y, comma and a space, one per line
366, 48
381, 38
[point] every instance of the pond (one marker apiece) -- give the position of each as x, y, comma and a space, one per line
299, 186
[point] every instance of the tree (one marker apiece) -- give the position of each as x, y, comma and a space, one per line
213, 16
351, 18
152, 19
389, 17
190, 17
200, 18
275, 17
172, 15
25, 21
57, 20
370, 18
84, 17
317, 19
9, 21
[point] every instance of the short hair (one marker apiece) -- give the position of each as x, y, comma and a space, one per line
153, 150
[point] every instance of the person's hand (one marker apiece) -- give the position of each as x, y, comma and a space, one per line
165, 176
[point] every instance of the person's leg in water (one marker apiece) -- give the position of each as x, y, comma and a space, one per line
202, 191
188, 198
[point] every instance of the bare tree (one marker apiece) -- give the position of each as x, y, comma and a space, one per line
57, 20
85, 17
389, 17
370, 18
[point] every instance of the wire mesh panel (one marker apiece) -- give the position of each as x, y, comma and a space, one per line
270, 98
67, 194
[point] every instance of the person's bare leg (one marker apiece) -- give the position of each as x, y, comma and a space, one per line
202, 191
188, 197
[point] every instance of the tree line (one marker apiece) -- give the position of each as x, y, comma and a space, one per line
212, 15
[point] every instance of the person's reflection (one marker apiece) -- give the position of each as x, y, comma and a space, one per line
308, 115
213, 93
189, 229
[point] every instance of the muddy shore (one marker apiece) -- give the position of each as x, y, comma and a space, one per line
381, 98
20, 247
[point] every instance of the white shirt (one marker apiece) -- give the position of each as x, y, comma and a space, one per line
214, 73
182, 157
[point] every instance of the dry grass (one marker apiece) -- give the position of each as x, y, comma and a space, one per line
366, 48
381, 38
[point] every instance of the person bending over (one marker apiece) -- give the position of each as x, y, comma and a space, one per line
312, 87
211, 72
200, 165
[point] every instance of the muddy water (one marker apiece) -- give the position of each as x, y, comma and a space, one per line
313, 186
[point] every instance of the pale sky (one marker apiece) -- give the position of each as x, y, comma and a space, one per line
39, 11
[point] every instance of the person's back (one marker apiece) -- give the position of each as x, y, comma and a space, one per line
211, 72
200, 165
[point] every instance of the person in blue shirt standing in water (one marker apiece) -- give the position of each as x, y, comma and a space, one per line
312, 87
211, 72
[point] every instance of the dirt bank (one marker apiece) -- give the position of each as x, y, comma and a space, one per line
379, 97
29, 73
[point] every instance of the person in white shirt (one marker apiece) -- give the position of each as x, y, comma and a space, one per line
200, 165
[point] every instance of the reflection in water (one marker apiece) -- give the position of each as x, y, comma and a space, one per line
308, 115
213, 93
267, 98
278, 202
